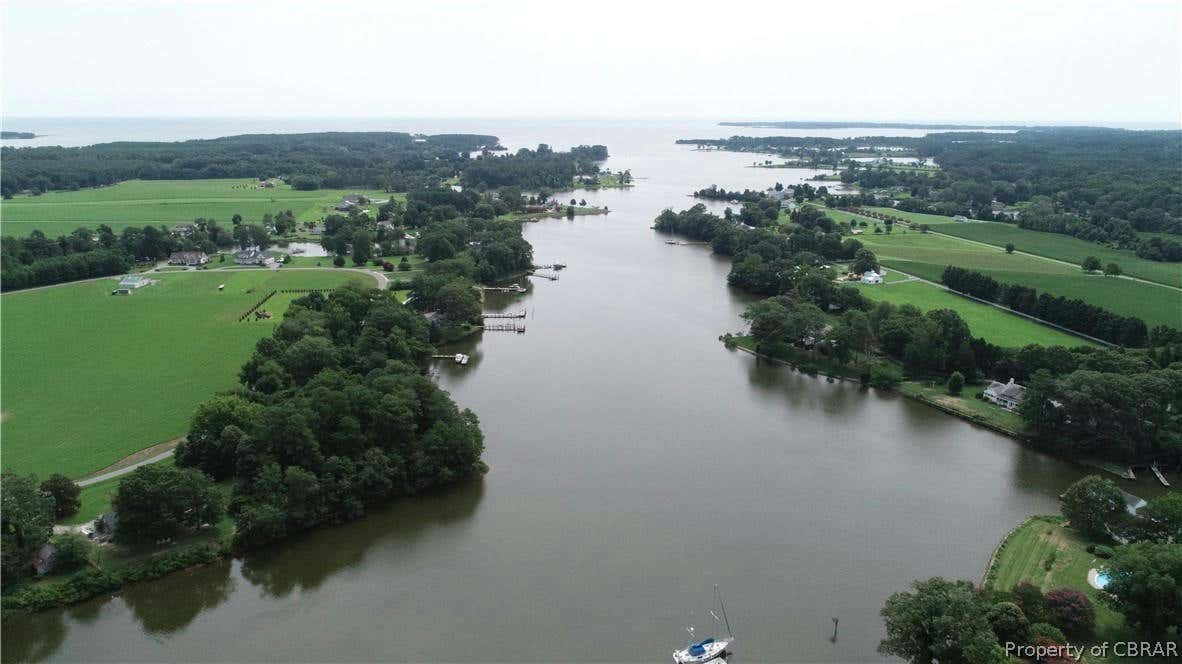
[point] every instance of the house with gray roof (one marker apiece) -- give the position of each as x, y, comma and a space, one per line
1007, 395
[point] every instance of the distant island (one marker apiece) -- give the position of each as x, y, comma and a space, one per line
17, 134
793, 124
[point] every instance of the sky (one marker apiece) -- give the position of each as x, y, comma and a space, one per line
906, 60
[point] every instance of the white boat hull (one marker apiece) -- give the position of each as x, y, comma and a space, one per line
710, 652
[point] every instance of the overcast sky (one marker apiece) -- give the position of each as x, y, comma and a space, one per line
944, 60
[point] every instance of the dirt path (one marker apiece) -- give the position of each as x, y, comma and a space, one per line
157, 452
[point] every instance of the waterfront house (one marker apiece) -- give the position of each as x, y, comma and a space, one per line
1007, 395
190, 258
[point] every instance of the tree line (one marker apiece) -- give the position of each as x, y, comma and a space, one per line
391, 160
542, 168
1073, 314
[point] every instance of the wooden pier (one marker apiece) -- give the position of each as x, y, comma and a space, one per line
550, 266
515, 288
513, 326
1160, 478
511, 314
552, 276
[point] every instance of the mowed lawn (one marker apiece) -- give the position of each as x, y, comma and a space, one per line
927, 254
995, 325
90, 378
167, 202
1052, 245
1050, 555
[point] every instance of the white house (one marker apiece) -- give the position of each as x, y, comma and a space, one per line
191, 258
1007, 395
960, 219
873, 277
252, 256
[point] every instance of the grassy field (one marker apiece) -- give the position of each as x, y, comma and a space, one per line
1052, 245
927, 254
1023, 556
996, 325
90, 378
168, 202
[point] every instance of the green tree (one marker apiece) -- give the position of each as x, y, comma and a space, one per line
1090, 264
1145, 578
1072, 611
864, 261
26, 522
940, 621
1009, 247
214, 434
65, 494
72, 552
1161, 518
1009, 623
1112, 270
1047, 631
458, 303
955, 383
159, 502
362, 247
1093, 505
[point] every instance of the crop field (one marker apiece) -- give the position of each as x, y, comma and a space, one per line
1051, 245
91, 378
996, 325
927, 254
167, 202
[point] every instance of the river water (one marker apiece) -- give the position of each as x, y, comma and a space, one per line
635, 462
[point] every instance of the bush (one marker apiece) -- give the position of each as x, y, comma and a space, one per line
955, 383
73, 552
1048, 632
338, 261
1072, 611
388, 266
1101, 551
885, 376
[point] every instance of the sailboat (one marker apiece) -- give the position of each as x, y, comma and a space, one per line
710, 650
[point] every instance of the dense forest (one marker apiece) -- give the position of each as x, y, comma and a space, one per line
1102, 185
332, 417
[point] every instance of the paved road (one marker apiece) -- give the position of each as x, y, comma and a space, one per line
123, 471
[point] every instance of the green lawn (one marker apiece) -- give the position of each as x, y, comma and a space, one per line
927, 254
996, 325
1024, 554
168, 202
967, 405
1052, 245
90, 378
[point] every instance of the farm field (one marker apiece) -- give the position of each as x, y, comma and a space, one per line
996, 325
167, 202
92, 378
1052, 245
927, 254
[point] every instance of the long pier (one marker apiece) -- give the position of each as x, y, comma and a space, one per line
552, 276
514, 326
550, 266
511, 314
1161, 478
515, 288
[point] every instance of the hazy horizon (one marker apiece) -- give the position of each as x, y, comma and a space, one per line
923, 61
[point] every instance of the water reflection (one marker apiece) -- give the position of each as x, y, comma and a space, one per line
165, 606
306, 563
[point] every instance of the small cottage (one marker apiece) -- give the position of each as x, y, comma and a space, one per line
1007, 395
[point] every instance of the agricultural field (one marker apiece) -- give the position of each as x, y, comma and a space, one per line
1051, 245
996, 325
927, 254
167, 202
91, 378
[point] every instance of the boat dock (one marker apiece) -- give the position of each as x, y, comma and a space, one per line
458, 358
552, 276
1160, 478
515, 288
550, 266
517, 314
513, 326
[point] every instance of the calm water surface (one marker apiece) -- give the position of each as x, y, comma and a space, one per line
635, 463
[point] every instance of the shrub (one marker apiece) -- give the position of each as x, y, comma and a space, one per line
955, 383
388, 266
1072, 611
1029, 598
1102, 551
338, 261
73, 552
885, 376
1048, 632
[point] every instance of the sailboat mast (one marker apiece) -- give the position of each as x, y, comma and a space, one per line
722, 606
